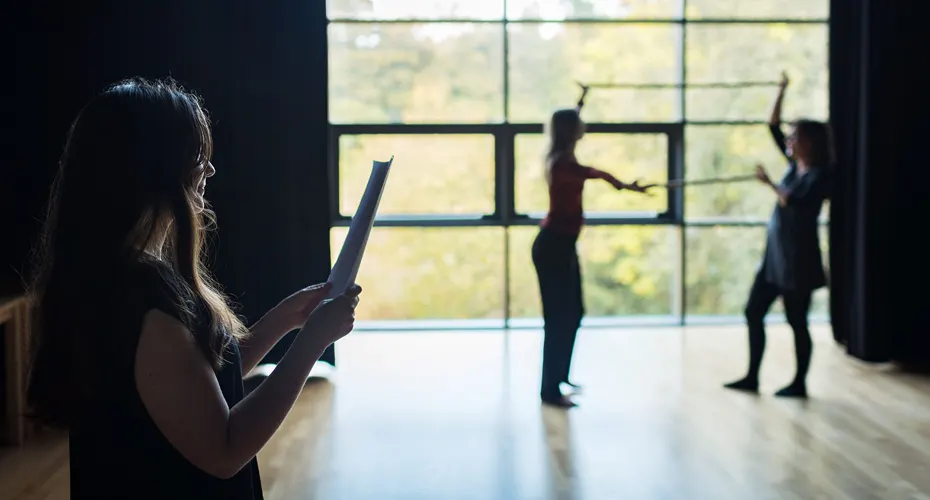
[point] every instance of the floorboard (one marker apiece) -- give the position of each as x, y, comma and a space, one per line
455, 415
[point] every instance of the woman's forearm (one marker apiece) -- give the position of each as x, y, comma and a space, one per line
580, 104
255, 419
775, 118
594, 173
613, 181
781, 193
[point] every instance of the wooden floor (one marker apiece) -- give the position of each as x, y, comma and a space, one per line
456, 416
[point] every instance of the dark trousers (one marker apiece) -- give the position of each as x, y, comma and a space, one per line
556, 262
797, 305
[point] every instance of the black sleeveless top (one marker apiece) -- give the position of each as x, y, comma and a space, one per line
116, 449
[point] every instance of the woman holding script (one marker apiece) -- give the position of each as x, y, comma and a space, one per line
791, 267
139, 355
554, 253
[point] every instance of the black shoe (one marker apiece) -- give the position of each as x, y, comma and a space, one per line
559, 402
795, 390
746, 384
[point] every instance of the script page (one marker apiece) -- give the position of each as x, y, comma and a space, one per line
345, 270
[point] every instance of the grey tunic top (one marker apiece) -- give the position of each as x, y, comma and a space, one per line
792, 258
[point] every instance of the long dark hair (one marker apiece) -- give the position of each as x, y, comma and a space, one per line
819, 137
124, 196
563, 134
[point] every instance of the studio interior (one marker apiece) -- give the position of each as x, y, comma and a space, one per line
572, 225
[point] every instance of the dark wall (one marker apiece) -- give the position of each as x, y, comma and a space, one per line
261, 68
879, 107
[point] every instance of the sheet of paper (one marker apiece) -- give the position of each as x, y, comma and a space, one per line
345, 270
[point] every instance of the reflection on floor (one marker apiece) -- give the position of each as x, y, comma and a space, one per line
456, 416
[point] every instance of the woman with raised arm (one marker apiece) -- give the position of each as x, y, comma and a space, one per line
554, 253
792, 267
139, 355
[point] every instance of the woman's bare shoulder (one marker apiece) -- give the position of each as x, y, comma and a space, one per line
562, 161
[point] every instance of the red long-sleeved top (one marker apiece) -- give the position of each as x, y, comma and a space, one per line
566, 184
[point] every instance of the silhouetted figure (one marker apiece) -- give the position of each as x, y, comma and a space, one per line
139, 355
554, 250
792, 266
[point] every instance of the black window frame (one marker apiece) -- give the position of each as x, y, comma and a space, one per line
505, 132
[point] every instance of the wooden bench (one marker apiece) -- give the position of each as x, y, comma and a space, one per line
14, 325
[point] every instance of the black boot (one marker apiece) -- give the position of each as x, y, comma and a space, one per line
746, 384
797, 389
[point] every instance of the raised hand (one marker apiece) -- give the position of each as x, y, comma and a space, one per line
292, 312
584, 93
584, 88
783, 84
762, 175
334, 319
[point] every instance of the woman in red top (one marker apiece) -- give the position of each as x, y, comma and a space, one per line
554, 253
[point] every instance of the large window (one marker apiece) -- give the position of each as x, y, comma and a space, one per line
459, 91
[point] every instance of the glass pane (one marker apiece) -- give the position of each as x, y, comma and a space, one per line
627, 156
415, 73
727, 53
758, 9
749, 104
548, 10
431, 174
721, 264
430, 273
626, 270
727, 150
414, 9
546, 59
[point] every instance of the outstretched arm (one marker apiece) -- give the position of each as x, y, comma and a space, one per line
811, 189
572, 171
780, 192
593, 173
584, 93
775, 118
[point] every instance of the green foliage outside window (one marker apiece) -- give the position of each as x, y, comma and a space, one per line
438, 73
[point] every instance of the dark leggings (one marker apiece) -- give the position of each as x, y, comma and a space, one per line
556, 262
797, 305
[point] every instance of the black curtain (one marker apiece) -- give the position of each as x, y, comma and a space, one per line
879, 106
261, 68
